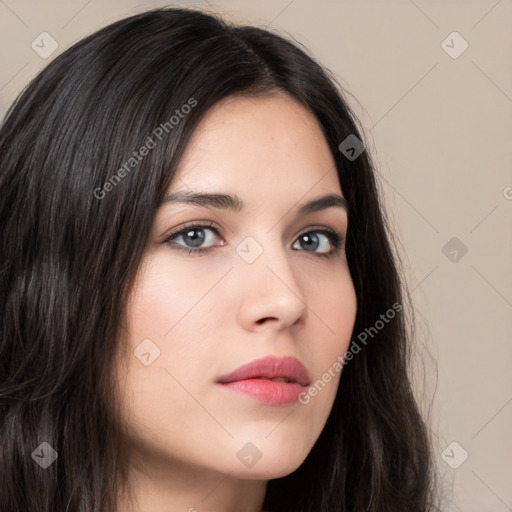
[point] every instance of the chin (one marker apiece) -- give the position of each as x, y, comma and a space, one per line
268, 471
275, 464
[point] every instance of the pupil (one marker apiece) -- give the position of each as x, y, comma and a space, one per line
308, 240
196, 241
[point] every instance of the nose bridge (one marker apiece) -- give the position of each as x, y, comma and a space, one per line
269, 284
265, 254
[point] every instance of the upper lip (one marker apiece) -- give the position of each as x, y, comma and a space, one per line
270, 367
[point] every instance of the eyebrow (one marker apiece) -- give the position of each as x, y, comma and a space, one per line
234, 203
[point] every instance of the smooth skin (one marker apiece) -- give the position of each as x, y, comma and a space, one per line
211, 312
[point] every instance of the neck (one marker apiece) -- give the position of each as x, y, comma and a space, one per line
190, 489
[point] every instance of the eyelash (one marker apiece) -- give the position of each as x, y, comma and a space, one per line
335, 239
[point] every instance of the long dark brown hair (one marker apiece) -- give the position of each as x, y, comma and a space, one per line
71, 245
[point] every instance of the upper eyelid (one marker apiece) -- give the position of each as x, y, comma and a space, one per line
211, 225
201, 225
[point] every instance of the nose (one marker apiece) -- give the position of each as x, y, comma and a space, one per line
269, 291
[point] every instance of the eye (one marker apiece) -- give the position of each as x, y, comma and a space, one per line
193, 237
311, 240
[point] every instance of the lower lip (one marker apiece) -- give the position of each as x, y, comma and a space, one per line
267, 391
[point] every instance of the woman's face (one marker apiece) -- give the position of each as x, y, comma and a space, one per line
270, 282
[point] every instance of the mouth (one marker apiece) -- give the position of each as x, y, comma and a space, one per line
275, 379
270, 380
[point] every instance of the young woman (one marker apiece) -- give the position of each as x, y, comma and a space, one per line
201, 308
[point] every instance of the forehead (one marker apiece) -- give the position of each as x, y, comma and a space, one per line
273, 141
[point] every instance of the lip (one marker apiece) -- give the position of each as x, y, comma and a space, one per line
254, 379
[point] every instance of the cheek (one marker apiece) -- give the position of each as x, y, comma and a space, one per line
170, 315
167, 296
334, 309
334, 317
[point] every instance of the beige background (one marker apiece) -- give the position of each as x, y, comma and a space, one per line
440, 131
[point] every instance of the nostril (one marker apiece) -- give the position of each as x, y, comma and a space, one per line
261, 320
